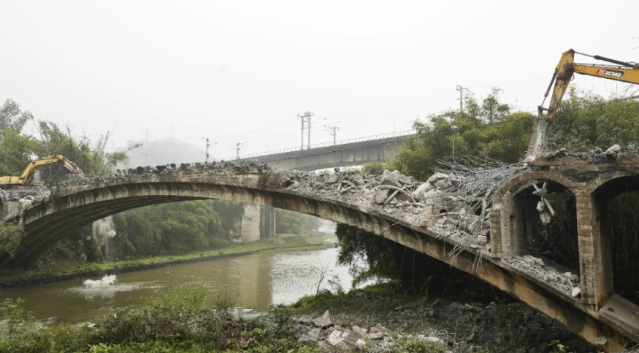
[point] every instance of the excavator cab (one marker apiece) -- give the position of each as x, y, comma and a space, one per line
37, 178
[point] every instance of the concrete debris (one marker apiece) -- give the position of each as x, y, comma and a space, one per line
17, 199
595, 155
613, 151
576, 292
533, 260
306, 319
571, 276
324, 320
547, 272
395, 178
357, 333
335, 338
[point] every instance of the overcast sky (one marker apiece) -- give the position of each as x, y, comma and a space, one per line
241, 71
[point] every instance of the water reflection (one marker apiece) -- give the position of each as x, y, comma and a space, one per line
255, 281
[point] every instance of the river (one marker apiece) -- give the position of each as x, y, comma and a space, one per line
256, 281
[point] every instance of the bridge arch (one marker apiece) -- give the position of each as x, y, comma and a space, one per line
47, 223
612, 285
514, 229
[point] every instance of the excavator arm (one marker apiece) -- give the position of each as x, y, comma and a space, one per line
27, 175
621, 71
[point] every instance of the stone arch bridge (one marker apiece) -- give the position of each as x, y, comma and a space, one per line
491, 241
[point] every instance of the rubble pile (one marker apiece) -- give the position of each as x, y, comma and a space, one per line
333, 336
24, 197
469, 191
221, 168
595, 155
547, 272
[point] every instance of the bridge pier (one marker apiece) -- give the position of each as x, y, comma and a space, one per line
258, 223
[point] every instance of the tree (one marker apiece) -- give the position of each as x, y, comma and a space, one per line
454, 134
492, 110
54, 140
15, 152
289, 222
11, 117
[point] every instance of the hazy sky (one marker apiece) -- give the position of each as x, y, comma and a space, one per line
241, 71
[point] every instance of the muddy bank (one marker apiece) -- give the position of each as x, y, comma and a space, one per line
61, 276
379, 322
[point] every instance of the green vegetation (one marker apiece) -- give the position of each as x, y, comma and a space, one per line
289, 222
10, 237
184, 319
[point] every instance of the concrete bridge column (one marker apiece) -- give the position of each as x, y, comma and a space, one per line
590, 254
258, 223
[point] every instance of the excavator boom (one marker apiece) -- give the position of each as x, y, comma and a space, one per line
27, 175
564, 72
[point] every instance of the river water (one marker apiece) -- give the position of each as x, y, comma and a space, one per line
255, 281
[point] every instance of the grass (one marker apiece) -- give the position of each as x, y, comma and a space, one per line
185, 319
277, 244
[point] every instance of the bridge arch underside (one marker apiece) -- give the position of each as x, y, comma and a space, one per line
47, 223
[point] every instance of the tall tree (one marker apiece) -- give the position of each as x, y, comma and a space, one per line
12, 117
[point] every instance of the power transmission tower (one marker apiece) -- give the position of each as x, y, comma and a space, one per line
237, 150
461, 96
332, 130
146, 135
306, 121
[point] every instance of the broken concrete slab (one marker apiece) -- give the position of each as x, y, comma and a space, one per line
324, 320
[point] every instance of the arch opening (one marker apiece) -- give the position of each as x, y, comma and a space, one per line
616, 208
547, 220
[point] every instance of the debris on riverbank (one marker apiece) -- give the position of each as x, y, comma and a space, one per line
380, 323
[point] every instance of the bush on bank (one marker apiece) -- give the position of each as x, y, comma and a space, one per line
184, 319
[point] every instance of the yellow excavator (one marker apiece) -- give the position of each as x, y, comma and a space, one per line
621, 71
26, 178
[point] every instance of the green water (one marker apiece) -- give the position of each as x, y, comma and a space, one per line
256, 281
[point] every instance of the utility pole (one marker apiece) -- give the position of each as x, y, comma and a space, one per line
208, 143
332, 130
306, 121
461, 97
237, 150
301, 117
308, 142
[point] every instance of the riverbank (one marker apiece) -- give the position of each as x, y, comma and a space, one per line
377, 318
380, 314
276, 244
